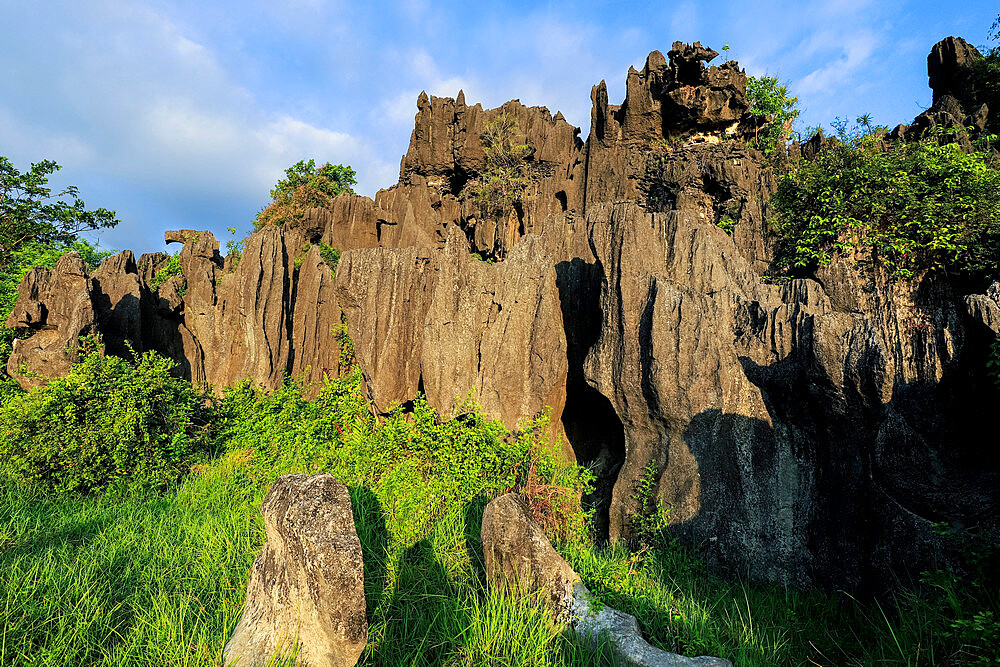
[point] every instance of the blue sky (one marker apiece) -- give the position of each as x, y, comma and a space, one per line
184, 113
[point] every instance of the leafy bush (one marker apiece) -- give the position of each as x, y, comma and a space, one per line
169, 270
506, 174
330, 255
437, 466
910, 207
775, 111
109, 422
305, 186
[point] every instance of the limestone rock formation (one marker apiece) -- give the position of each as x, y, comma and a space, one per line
959, 104
306, 591
520, 557
949, 66
56, 307
806, 432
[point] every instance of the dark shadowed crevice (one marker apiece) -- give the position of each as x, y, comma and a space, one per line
457, 178
598, 438
592, 426
563, 201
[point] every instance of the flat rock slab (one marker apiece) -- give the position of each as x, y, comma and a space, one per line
306, 590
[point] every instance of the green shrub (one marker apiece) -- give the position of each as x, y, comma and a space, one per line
169, 270
911, 207
330, 255
776, 112
430, 466
506, 174
305, 186
109, 422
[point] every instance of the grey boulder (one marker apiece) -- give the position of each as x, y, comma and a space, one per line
306, 592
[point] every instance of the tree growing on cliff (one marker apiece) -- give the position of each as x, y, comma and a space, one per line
305, 186
31, 214
505, 175
775, 111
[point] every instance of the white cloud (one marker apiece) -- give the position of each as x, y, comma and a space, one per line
854, 54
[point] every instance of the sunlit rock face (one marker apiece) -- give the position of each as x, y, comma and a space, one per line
805, 432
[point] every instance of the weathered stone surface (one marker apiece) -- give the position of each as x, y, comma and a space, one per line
497, 330
958, 103
772, 414
56, 307
606, 625
519, 556
118, 301
306, 587
385, 294
985, 308
949, 68
315, 342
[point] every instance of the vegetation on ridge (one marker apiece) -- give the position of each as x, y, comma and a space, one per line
911, 207
305, 186
505, 175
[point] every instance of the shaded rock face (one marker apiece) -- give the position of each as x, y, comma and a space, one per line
306, 591
814, 406
810, 432
518, 556
58, 306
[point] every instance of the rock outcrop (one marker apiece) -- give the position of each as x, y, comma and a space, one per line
518, 556
806, 432
960, 110
306, 595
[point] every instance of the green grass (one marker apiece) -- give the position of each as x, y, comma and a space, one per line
144, 578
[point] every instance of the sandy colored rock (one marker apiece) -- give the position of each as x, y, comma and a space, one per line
306, 587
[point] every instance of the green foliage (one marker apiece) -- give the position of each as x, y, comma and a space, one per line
437, 464
650, 522
727, 224
346, 359
169, 270
31, 215
993, 361
506, 173
775, 110
910, 207
330, 255
305, 186
234, 248
109, 422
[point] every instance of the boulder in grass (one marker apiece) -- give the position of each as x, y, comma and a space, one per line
519, 555
306, 592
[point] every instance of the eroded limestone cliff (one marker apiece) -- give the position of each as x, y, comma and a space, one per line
805, 432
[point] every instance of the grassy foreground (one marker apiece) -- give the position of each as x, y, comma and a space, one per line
134, 576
